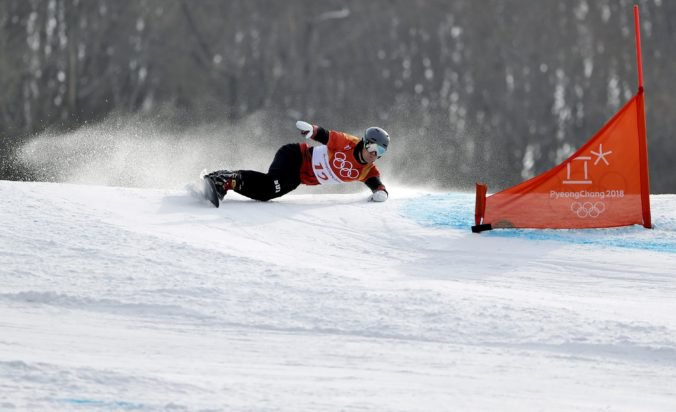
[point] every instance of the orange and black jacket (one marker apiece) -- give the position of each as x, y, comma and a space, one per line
339, 160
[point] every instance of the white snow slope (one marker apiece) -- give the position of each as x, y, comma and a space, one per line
142, 299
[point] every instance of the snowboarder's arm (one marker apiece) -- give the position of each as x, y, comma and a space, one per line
322, 135
314, 132
378, 188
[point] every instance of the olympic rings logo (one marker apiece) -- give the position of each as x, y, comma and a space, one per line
344, 166
587, 209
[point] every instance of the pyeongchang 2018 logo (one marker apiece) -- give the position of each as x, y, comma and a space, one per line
586, 203
587, 209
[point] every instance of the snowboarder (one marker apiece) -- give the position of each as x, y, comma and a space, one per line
341, 158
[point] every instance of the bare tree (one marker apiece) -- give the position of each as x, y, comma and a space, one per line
481, 90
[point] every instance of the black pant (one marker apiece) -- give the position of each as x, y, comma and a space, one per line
283, 175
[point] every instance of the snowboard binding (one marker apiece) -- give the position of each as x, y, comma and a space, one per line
217, 184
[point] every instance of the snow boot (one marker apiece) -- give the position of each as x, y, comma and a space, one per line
224, 180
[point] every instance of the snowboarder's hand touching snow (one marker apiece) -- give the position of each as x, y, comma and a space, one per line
379, 196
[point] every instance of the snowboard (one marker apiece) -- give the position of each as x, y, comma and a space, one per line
209, 189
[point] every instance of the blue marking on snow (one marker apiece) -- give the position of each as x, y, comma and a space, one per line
456, 211
453, 210
104, 404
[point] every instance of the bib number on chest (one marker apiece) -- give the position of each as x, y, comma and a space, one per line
332, 171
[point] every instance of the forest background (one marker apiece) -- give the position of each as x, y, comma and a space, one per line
470, 90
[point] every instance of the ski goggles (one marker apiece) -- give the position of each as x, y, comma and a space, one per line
375, 147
